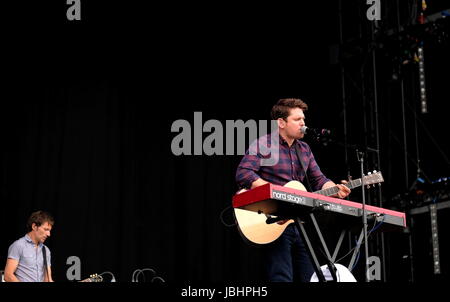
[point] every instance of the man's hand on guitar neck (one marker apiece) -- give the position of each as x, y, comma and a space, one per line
343, 192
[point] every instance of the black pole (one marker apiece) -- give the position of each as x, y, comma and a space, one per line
377, 143
344, 102
360, 156
405, 145
344, 99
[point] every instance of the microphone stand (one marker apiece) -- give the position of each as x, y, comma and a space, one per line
360, 156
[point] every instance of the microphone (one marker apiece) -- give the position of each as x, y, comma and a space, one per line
315, 132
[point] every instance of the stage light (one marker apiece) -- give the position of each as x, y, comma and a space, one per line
423, 91
435, 239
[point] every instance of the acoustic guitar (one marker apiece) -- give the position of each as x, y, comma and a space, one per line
257, 227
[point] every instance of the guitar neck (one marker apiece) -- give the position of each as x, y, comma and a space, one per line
333, 190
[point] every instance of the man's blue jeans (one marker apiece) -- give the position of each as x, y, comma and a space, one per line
287, 259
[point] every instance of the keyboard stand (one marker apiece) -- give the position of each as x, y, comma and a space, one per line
309, 219
301, 228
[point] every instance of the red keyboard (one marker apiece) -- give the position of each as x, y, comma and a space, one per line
283, 201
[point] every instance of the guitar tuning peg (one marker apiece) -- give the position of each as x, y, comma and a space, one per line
369, 173
374, 171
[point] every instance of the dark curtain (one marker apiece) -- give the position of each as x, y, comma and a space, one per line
96, 154
94, 149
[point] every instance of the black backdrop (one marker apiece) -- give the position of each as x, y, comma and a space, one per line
86, 116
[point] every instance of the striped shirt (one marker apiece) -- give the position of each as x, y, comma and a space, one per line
288, 167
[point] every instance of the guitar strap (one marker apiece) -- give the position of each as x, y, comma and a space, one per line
297, 150
44, 255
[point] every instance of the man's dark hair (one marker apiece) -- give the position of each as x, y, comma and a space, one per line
283, 107
39, 218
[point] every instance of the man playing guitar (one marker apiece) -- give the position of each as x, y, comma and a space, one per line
286, 258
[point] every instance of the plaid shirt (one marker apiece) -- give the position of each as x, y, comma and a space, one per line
288, 167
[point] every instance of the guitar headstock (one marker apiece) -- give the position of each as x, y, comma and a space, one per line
373, 178
94, 278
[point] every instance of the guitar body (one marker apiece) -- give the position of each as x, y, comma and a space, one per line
253, 226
